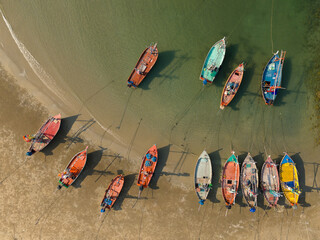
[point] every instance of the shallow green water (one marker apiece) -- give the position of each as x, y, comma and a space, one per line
92, 46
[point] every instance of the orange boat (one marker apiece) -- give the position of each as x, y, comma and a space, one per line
230, 180
148, 166
44, 135
232, 85
73, 170
146, 61
112, 193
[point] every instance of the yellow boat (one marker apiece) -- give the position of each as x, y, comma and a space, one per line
289, 180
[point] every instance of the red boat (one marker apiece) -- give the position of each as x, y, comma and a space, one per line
230, 180
148, 166
112, 193
232, 85
44, 135
146, 61
73, 170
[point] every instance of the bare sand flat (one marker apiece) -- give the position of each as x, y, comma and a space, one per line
31, 208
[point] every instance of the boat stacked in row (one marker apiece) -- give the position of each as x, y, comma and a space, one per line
249, 180
270, 83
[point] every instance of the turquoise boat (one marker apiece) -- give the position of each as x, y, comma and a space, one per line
213, 61
271, 78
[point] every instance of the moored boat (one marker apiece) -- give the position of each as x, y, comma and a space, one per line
112, 193
270, 182
230, 180
213, 61
148, 166
250, 182
73, 170
44, 135
289, 180
146, 61
203, 176
271, 78
232, 85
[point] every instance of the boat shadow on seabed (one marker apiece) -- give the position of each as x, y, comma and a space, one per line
61, 137
247, 77
93, 158
216, 175
302, 179
227, 66
286, 75
128, 182
162, 68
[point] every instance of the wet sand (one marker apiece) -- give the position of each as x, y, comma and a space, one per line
31, 208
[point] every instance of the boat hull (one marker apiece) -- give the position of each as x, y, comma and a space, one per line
146, 61
271, 78
289, 180
270, 182
213, 61
249, 181
112, 193
148, 167
203, 176
230, 180
232, 86
46, 133
74, 168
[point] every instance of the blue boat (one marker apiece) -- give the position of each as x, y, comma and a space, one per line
271, 78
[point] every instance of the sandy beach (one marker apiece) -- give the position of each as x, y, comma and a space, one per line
32, 208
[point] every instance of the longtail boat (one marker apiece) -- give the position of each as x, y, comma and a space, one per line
289, 180
232, 85
203, 176
270, 182
271, 78
250, 182
44, 135
213, 61
146, 61
230, 180
112, 193
148, 166
73, 170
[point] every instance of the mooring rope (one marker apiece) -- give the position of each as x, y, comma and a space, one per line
271, 27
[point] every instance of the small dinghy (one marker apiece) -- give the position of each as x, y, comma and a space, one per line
112, 193
44, 135
250, 182
203, 176
270, 182
230, 180
289, 180
149, 163
232, 85
73, 170
213, 62
146, 61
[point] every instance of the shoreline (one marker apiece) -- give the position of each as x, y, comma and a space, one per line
27, 79
33, 209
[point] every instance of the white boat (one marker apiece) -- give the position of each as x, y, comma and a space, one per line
203, 177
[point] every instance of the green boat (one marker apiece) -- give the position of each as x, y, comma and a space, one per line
213, 61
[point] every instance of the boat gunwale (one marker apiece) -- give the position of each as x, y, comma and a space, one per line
222, 103
81, 168
196, 170
238, 180
212, 47
278, 180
